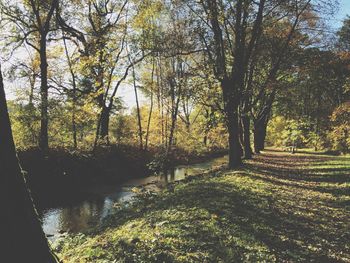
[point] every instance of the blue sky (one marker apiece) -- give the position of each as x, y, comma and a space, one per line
344, 9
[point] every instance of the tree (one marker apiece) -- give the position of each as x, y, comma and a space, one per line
23, 239
340, 134
107, 52
303, 28
32, 21
317, 85
230, 33
344, 35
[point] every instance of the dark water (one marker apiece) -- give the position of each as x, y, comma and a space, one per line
88, 214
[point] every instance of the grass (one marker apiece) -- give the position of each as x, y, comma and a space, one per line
278, 208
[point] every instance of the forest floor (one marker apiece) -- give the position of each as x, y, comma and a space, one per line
278, 208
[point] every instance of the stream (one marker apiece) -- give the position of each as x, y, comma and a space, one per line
82, 216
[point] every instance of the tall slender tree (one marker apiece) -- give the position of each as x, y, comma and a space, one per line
33, 22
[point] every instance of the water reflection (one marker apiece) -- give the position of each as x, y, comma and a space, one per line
82, 216
90, 213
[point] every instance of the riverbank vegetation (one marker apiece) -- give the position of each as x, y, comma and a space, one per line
101, 91
279, 207
77, 171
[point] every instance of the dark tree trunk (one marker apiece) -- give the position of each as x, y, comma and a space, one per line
205, 140
44, 120
174, 113
171, 133
22, 237
231, 103
104, 124
260, 135
234, 145
246, 137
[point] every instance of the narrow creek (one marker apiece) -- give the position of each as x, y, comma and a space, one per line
82, 216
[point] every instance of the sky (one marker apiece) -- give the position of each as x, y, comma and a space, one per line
344, 9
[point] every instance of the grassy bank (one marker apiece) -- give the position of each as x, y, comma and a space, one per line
279, 207
63, 175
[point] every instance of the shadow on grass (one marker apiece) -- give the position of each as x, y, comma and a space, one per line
301, 166
329, 152
288, 231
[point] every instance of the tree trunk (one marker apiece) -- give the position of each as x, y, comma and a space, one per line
174, 113
31, 92
74, 125
205, 139
139, 123
234, 145
231, 103
149, 122
44, 120
23, 239
171, 133
246, 137
104, 124
259, 135
240, 137
74, 94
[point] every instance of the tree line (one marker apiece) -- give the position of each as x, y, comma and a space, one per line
204, 62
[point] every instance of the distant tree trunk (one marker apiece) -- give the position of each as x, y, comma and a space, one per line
260, 127
316, 134
74, 94
174, 113
23, 239
74, 125
172, 128
31, 92
149, 122
246, 137
102, 130
138, 110
166, 128
160, 100
260, 123
104, 124
44, 120
207, 127
31, 110
150, 111
205, 140
163, 122
187, 114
